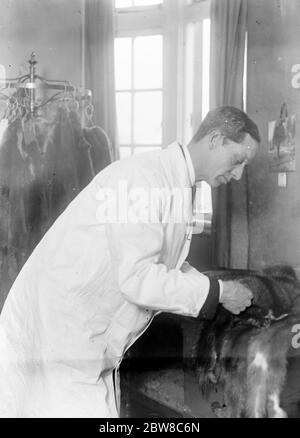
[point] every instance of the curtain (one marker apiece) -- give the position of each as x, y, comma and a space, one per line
98, 58
230, 237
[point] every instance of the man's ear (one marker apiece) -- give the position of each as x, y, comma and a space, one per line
216, 139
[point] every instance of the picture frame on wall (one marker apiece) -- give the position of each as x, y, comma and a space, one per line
282, 142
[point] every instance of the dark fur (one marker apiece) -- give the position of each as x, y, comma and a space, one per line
231, 346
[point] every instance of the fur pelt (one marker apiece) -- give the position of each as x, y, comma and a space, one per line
246, 355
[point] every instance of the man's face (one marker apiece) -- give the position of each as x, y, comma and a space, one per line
230, 160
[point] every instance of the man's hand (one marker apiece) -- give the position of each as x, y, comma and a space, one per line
235, 297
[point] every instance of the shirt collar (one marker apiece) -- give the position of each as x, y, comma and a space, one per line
189, 164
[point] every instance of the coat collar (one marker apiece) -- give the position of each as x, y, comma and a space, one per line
181, 164
189, 164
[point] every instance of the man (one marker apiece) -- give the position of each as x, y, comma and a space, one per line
104, 269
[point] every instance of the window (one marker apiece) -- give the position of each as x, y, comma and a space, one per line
139, 93
162, 74
139, 60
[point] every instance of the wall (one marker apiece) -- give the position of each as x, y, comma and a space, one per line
51, 28
273, 36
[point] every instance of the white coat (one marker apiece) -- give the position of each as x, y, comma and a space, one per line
88, 291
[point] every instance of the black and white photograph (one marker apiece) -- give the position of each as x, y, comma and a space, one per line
149, 212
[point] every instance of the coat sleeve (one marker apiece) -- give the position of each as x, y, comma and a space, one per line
135, 251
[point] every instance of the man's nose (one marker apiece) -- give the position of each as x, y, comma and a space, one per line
237, 172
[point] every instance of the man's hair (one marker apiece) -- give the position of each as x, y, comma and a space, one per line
231, 122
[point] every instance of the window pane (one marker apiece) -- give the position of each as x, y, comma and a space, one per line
123, 3
189, 92
206, 64
203, 198
146, 2
148, 61
123, 63
125, 152
141, 149
203, 213
124, 117
148, 117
